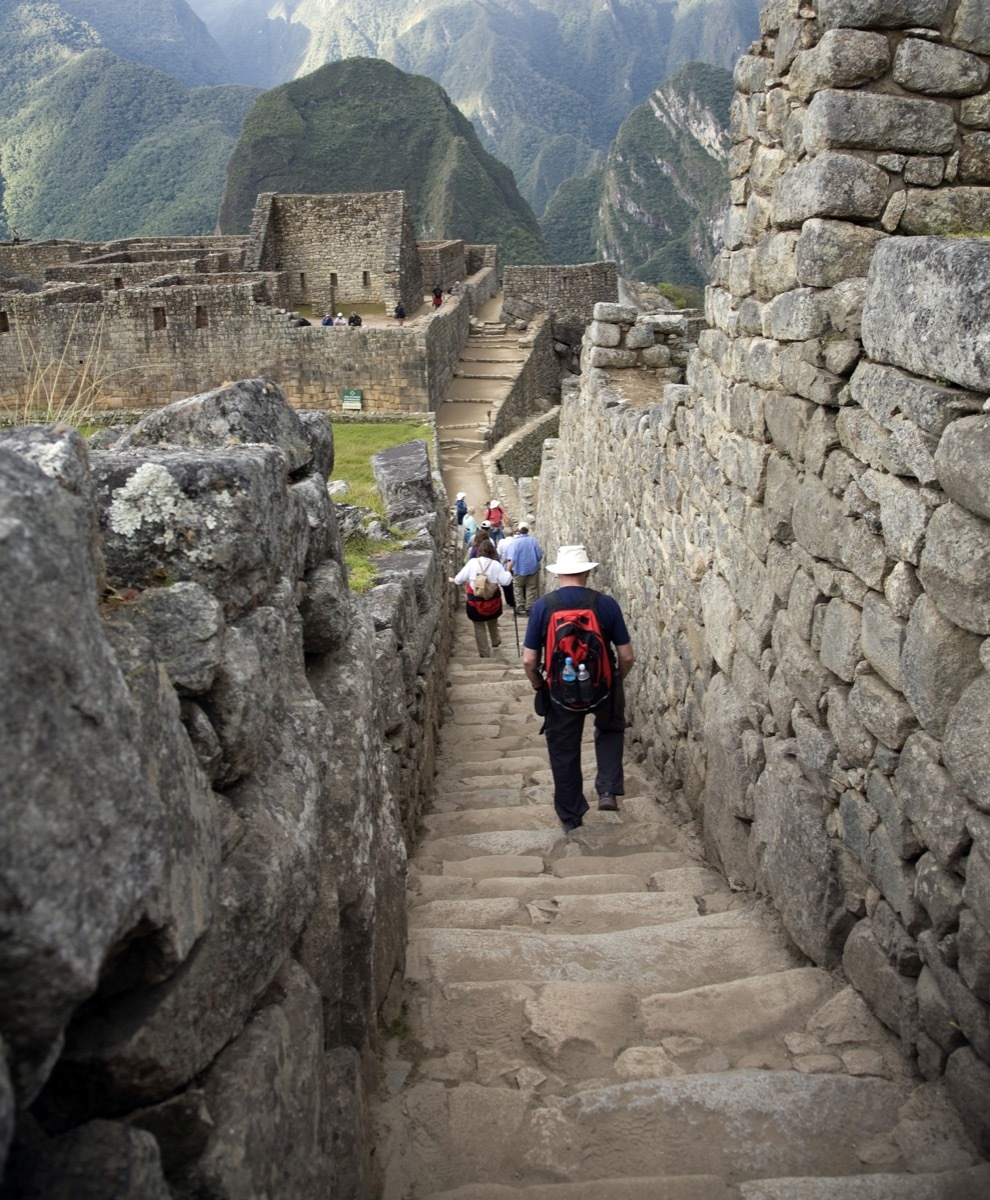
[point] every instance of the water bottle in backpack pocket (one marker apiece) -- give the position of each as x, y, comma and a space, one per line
568, 682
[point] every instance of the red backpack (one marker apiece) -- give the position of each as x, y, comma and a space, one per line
575, 633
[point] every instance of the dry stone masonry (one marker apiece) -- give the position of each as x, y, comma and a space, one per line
800, 533
214, 757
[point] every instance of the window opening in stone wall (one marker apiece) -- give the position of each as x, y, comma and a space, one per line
302, 280
158, 316
4, 323
366, 278
118, 283
202, 317
333, 279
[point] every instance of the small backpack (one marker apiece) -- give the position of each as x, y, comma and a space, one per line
482, 587
575, 633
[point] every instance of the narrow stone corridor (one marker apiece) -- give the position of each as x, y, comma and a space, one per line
599, 1015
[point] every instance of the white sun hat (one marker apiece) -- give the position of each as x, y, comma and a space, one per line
460, 496
571, 560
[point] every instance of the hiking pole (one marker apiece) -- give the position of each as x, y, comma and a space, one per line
515, 618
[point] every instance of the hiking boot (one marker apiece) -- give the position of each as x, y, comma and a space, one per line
607, 803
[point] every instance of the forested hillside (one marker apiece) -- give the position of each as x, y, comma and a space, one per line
545, 82
653, 203
361, 125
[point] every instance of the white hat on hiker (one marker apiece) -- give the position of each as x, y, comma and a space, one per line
460, 496
571, 560
485, 525
523, 527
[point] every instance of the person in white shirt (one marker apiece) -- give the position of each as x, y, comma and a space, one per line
484, 613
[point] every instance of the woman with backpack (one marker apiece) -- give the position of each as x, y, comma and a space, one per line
485, 576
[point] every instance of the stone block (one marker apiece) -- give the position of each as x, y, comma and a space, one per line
927, 308
606, 359
325, 609
831, 251
884, 712
869, 121
939, 660
884, 14
862, 553
803, 671
967, 1082
773, 265
845, 306
975, 112
842, 58
955, 567
940, 894
637, 338
949, 212
904, 513
798, 864
185, 627
974, 158
923, 66
969, 1014
854, 742
894, 878
796, 316
656, 356
750, 73
936, 807
901, 589
721, 615
787, 419
963, 464
817, 519
605, 333
621, 314
974, 955
829, 185
782, 486
816, 753
890, 995
924, 170
840, 642
883, 637
966, 750
976, 890
743, 462
868, 441
730, 776
971, 28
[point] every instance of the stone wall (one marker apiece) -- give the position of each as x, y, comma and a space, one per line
537, 384
212, 755
147, 346
441, 262
624, 338
568, 293
800, 534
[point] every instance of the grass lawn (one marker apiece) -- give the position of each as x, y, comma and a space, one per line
354, 444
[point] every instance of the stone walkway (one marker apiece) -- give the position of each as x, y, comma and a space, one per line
597, 1016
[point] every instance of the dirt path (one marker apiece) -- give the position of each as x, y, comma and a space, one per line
597, 1016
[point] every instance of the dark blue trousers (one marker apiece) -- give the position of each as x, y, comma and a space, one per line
563, 733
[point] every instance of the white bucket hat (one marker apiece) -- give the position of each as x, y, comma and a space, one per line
460, 496
571, 560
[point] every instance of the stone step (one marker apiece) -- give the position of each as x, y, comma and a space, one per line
667, 958
972, 1183
734, 1125
556, 914
681, 1187
443, 825
546, 886
542, 842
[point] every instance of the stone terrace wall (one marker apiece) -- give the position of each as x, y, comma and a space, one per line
536, 386
800, 534
569, 293
147, 346
656, 342
211, 754
441, 262
30, 258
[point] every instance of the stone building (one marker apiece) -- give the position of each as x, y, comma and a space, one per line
141, 322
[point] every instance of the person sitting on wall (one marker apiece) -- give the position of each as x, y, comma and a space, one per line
303, 321
354, 320
328, 319
339, 322
400, 313
437, 296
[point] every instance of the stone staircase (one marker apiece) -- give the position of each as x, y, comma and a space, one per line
598, 1015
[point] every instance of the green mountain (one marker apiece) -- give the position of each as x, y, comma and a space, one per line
654, 203
165, 34
362, 125
545, 82
106, 148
